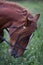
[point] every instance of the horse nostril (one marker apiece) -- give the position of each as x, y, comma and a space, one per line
10, 51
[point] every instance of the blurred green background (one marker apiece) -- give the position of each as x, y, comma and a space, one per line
34, 54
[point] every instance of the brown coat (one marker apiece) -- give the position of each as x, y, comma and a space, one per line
14, 15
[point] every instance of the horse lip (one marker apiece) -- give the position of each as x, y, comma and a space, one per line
15, 56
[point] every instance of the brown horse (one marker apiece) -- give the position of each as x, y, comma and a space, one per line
20, 24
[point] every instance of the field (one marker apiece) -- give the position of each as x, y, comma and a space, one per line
34, 54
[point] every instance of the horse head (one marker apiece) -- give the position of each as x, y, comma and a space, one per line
20, 38
21, 25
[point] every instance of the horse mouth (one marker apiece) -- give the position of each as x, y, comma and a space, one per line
15, 56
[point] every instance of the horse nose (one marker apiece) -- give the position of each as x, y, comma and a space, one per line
11, 52
14, 53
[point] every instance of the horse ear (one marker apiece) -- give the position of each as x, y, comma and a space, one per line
36, 17
30, 17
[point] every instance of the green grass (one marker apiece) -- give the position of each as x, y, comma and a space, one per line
34, 54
